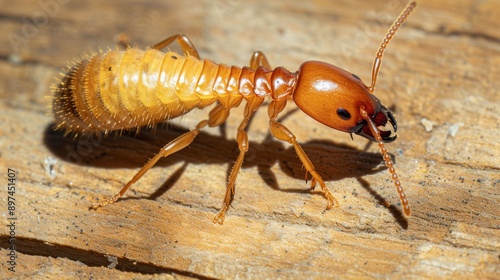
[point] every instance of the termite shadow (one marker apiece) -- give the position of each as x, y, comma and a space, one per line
333, 161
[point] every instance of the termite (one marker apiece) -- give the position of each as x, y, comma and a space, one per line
126, 89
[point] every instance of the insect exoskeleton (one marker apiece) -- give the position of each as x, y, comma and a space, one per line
128, 89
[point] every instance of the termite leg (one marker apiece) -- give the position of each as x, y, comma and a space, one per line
122, 41
175, 145
186, 45
242, 139
216, 116
259, 59
282, 133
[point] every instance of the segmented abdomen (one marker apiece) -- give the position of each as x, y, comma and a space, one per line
119, 90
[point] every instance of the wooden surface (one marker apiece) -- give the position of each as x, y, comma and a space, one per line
442, 69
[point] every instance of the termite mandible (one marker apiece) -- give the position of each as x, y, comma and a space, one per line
128, 89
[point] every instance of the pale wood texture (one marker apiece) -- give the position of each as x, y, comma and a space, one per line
443, 66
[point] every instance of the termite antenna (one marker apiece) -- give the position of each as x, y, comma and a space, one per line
390, 34
388, 162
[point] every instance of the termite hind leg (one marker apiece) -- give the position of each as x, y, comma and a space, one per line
259, 59
174, 146
122, 41
186, 45
282, 133
242, 139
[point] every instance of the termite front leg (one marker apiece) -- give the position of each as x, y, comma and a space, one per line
242, 139
282, 133
259, 59
186, 45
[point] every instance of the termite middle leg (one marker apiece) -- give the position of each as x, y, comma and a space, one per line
186, 45
259, 59
282, 133
242, 139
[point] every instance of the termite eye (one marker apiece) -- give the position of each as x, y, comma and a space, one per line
355, 76
343, 114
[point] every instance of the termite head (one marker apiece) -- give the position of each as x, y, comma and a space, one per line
334, 97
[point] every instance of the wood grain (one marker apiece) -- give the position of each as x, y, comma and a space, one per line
442, 69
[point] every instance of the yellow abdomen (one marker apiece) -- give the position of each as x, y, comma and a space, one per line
120, 90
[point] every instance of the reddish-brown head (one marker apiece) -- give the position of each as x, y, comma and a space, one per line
334, 97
